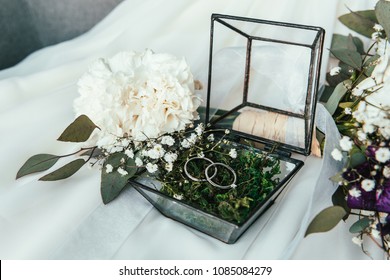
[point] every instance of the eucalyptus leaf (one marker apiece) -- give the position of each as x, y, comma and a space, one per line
339, 199
357, 158
334, 100
37, 163
64, 172
349, 57
382, 12
326, 220
113, 183
361, 22
360, 225
350, 43
79, 130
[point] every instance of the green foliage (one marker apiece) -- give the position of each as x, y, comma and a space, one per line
360, 225
64, 172
382, 11
349, 57
113, 183
361, 22
37, 163
255, 180
326, 220
334, 100
79, 130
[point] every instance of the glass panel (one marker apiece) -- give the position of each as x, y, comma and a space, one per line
228, 69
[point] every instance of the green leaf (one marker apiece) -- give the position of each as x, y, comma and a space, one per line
113, 183
360, 225
359, 45
339, 199
79, 130
334, 100
346, 104
349, 57
64, 172
94, 153
382, 12
361, 22
347, 42
357, 158
37, 163
326, 220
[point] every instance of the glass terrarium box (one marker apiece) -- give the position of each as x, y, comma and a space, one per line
261, 99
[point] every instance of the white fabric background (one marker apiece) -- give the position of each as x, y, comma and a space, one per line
66, 219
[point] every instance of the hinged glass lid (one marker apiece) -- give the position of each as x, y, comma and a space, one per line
263, 79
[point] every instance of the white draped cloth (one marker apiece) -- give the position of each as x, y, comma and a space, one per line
67, 220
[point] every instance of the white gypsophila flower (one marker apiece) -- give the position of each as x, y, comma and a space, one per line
178, 196
348, 111
357, 240
368, 185
378, 27
210, 137
375, 233
156, 152
386, 172
376, 35
109, 168
227, 131
122, 161
335, 71
200, 154
139, 94
151, 167
170, 157
354, 192
167, 140
138, 162
122, 171
185, 143
199, 129
233, 153
129, 153
346, 143
382, 155
192, 138
337, 155
361, 135
168, 167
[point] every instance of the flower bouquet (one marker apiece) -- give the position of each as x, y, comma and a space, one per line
360, 105
139, 120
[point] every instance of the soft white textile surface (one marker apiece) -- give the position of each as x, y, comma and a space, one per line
66, 219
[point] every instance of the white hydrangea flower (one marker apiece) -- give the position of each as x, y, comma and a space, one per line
139, 94
233, 153
138, 162
167, 140
337, 155
109, 168
335, 71
382, 155
346, 143
354, 192
129, 153
170, 157
368, 185
122, 171
151, 167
